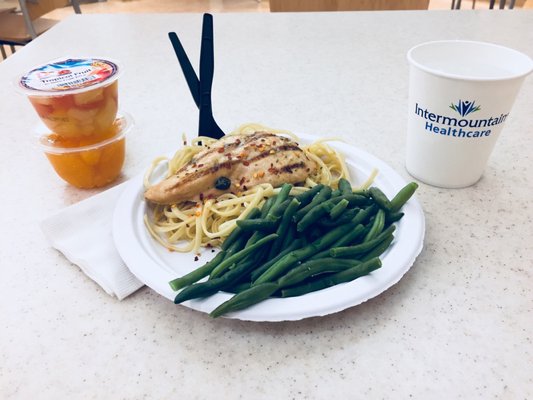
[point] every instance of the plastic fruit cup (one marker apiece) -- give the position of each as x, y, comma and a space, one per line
74, 97
89, 165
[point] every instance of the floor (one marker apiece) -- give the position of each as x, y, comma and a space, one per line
162, 6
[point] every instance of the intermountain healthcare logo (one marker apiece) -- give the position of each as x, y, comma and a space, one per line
451, 126
465, 107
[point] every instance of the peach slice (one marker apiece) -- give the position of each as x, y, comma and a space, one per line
106, 115
91, 96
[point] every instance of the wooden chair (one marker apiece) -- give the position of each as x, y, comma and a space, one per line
20, 28
347, 5
499, 4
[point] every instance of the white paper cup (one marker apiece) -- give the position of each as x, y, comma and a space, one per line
460, 95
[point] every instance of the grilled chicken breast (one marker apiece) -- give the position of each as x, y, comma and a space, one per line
234, 164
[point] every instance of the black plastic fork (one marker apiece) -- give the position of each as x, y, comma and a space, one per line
201, 88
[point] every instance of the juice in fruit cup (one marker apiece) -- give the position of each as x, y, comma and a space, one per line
84, 163
74, 97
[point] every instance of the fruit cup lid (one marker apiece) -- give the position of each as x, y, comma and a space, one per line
68, 76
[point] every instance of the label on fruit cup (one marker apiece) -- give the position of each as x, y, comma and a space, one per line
69, 75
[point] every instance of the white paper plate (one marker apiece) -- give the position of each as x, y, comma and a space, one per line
155, 266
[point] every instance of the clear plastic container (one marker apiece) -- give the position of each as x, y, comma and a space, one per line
89, 165
74, 97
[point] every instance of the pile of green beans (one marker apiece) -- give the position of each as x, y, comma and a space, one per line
299, 244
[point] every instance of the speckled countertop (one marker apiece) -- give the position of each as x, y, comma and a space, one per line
459, 323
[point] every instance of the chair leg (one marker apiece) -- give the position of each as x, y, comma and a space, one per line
4, 55
12, 49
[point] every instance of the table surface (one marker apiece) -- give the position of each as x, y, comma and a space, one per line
458, 325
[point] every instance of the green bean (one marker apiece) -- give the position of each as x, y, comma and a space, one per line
358, 231
314, 233
318, 211
286, 220
377, 226
306, 197
238, 245
345, 186
257, 256
236, 232
211, 286
257, 265
245, 299
239, 287
345, 217
380, 198
331, 280
290, 236
234, 248
363, 215
378, 250
313, 215
338, 209
283, 194
232, 237
198, 273
361, 248
402, 196
276, 211
314, 267
320, 197
391, 218
273, 214
332, 236
266, 206
262, 225
224, 265
256, 236
356, 216
353, 199
296, 244
248, 241
295, 256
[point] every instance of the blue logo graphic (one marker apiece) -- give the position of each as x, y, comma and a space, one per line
465, 107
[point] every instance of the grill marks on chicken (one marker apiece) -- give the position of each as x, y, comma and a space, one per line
246, 160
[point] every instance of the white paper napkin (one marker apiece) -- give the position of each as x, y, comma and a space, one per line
83, 233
